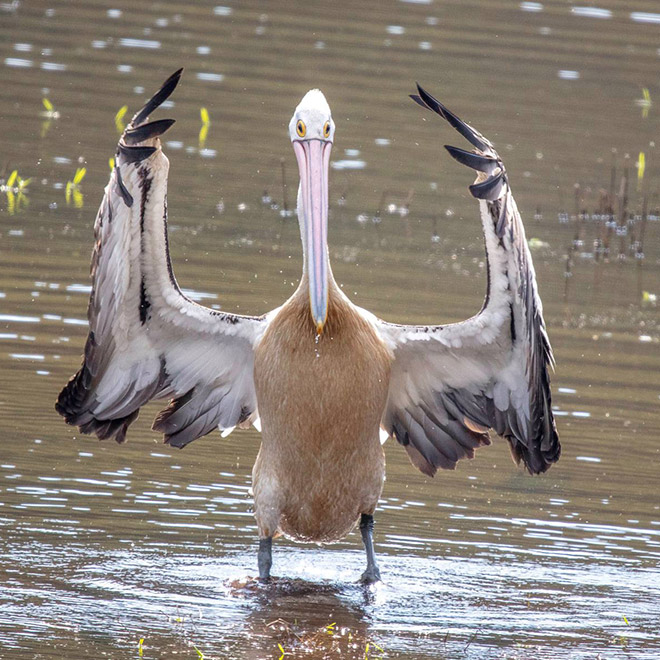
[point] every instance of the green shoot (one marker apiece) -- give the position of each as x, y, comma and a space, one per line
11, 202
119, 118
15, 188
79, 175
49, 114
200, 655
645, 102
641, 167
373, 657
204, 130
140, 643
649, 298
72, 191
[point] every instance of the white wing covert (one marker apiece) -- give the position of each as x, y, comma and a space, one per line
451, 384
146, 339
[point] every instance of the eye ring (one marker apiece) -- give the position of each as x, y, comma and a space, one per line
301, 129
326, 129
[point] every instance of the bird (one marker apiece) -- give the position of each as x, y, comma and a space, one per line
323, 380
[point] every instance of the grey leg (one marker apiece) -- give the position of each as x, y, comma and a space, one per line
372, 574
265, 558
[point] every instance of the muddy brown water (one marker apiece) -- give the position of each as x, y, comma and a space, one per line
103, 546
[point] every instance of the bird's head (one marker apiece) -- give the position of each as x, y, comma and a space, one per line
312, 132
312, 119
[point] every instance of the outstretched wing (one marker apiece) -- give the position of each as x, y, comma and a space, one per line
451, 384
146, 339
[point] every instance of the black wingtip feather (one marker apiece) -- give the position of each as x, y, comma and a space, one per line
477, 162
419, 101
71, 405
471, 135
135, 154
144, 132
490, 189
157, 99
107, 428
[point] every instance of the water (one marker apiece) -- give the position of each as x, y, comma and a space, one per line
103, 546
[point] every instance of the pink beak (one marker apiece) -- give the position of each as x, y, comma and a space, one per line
313, 163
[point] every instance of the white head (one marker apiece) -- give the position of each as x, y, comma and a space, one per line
312, 132
312, 118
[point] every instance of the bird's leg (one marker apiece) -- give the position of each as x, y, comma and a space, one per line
265, 558
372, 574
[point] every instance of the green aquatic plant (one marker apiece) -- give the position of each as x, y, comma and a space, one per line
50, 111
119, 119
621, 640
48, 114
16, 190
16, 183
204, 130
72, 192
373, 657
328, 642
651, 300
641, 168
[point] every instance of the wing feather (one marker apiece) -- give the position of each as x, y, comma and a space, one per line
147, 339
452, 383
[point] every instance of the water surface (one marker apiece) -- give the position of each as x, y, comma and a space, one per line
103, 546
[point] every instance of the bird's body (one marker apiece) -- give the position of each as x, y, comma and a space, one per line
323, 378
321, 398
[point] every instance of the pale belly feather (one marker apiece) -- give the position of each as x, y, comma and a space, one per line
321, 463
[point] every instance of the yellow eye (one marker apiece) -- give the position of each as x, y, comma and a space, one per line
300, 128
326, 129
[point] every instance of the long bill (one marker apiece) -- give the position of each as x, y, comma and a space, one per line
313, 162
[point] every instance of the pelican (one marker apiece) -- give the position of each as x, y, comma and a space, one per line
321, 378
